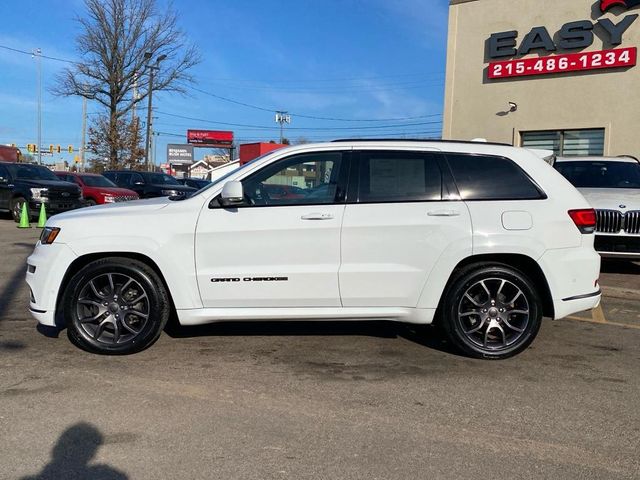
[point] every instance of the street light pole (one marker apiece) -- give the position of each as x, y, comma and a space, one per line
152, 68
38, 55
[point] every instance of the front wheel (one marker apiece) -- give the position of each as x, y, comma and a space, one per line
115, 306
16, 208
491, 311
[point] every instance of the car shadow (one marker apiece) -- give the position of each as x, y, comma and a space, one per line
619, 266
425, 335
70, 457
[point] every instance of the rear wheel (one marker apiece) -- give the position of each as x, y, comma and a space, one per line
492, 311
16, 208
90, 202
115, 306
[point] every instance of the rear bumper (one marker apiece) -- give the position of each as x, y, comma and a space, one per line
572, 275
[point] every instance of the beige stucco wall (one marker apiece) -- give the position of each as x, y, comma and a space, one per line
608, 99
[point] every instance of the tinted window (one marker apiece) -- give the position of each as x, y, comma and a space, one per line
135, 177
312, 178
31, 172
601, 174
96, 181
160, 179
481, 177
399, 177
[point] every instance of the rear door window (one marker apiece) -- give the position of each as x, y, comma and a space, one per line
389, 176
486, 177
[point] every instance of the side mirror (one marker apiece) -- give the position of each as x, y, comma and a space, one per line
232, 194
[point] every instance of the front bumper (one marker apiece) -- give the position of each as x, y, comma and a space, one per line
46, 268
53, 207
618, 246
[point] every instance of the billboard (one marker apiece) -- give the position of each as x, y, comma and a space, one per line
215, 138
179, 154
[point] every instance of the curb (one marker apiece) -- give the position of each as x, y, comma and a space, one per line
621, 293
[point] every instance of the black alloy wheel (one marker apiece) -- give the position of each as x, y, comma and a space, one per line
492, 311
115, 306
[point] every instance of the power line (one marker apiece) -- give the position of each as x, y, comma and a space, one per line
266, 127
40, 55
312, 117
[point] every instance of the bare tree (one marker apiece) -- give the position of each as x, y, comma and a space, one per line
119, 39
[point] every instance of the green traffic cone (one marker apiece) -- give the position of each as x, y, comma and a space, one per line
24, 217
42, 219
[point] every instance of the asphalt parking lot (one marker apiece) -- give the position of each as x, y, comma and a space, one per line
335, 401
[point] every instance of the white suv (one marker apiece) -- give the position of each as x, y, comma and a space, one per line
483, 238
612, 186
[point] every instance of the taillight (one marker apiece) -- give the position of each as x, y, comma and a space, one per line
584, 219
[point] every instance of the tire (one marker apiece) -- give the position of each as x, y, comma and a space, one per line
498, 330
90, 202
16, 208
106, 302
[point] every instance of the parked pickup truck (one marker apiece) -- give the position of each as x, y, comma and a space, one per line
34, 185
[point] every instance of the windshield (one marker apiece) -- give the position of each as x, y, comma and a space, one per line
161, 179
31, 172
594, 174
97, 181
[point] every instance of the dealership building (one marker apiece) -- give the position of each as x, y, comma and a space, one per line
559, 75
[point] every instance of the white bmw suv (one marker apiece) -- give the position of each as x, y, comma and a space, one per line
484, 239
612, 186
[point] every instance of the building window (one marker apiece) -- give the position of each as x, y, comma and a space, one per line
567, 143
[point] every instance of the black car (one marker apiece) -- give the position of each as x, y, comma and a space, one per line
34, 185
148, 184
194, 182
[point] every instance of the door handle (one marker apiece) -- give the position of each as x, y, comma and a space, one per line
317, 216
444, 213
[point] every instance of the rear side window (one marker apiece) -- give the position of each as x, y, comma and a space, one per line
484, 177
399, 177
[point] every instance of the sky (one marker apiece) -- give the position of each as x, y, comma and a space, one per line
365, 62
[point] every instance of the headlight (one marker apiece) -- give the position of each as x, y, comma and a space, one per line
169, 192
48, 235
109, 199
39, 193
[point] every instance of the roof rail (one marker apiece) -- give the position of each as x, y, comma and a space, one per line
423, 140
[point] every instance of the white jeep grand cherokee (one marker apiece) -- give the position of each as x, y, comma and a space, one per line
484, 239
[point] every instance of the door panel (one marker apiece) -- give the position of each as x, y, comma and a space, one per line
282, 247
390, 246
388, 250
269, 257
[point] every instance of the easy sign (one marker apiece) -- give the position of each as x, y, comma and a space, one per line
571, 36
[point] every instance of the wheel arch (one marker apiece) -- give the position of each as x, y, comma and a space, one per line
84, 260
523, 263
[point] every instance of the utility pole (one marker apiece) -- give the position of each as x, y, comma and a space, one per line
152, 69
282, 118
38, 55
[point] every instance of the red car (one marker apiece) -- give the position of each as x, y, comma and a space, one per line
97, 189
